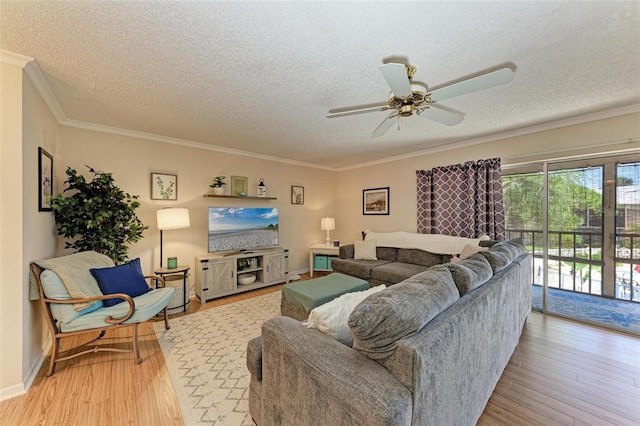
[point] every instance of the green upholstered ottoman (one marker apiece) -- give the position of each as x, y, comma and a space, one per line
298, 299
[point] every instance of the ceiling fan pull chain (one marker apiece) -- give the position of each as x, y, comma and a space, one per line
398, 122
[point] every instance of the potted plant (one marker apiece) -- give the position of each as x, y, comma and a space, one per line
217, 184
97, 216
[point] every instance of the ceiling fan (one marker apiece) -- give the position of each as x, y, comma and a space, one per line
408, 97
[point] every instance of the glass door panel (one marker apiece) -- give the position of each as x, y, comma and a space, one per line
589, 213
627, 232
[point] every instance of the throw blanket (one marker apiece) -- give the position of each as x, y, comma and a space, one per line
73, 270
434, 243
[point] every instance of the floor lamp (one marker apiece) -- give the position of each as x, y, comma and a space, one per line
328, 224
171, 218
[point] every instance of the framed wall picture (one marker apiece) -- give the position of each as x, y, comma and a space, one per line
239, 184
45, 180
375, 201
297, 194
164, 186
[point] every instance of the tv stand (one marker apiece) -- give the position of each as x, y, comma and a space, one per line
217, 276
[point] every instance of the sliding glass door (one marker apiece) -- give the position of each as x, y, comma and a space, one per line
581, 222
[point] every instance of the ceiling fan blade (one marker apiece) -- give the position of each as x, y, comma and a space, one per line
440, 115
397, 79
482, 82
385, 125
356, 110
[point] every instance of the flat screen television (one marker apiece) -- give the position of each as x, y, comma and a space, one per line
242, 228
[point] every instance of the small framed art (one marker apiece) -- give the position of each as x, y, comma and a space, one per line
297, 194
164, 186
45, 180
239, 185
375, 201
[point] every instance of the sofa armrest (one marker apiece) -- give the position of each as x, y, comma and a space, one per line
254, 357
346, 251
309, 377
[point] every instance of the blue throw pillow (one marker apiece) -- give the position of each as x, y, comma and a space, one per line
127, 278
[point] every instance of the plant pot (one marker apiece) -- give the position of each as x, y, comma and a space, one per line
218, 191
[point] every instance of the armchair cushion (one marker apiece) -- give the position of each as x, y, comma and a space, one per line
147, 305
126, 278
54, 288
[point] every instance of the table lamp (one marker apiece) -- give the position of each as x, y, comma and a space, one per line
171, 218
328, 224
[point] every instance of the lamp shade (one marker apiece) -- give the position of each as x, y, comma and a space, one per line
327, 224
173, 218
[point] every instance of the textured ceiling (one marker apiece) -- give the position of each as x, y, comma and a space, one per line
260, 77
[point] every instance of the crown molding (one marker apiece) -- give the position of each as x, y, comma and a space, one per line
36, 75
15, 59
581, 119
175, 141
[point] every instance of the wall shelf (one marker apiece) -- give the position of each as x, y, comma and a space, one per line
239, 196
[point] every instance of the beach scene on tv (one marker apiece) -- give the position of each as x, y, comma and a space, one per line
233, 228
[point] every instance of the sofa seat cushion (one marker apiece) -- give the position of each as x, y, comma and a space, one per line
421, 257
383, 318
357, 268
395, 272
146, 306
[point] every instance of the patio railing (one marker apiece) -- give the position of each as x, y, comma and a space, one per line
575, 261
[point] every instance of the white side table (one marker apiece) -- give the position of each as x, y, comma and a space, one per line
321, 249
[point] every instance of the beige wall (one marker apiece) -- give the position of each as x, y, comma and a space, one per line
39, 129
131, 161
25, 233
399, 176
11, 244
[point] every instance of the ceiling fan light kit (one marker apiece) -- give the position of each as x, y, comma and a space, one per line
409, 97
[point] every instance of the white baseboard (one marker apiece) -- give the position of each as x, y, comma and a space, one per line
12, 391
22, 388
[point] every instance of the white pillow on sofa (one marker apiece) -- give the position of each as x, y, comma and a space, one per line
470, 250
332, 318
365, 250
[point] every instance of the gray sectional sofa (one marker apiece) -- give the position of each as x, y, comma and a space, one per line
427, 351
392, 266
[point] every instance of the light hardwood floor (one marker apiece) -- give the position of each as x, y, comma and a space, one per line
562, 372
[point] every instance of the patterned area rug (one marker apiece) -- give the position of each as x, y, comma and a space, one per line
206, 357
599, 310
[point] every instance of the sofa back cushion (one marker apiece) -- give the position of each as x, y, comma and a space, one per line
501, 254
387, 253
419, 257
384, 318
470, 273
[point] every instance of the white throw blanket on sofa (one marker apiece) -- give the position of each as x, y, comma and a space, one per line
434, 243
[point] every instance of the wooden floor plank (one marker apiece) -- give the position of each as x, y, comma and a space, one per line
562, 372
577, 395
